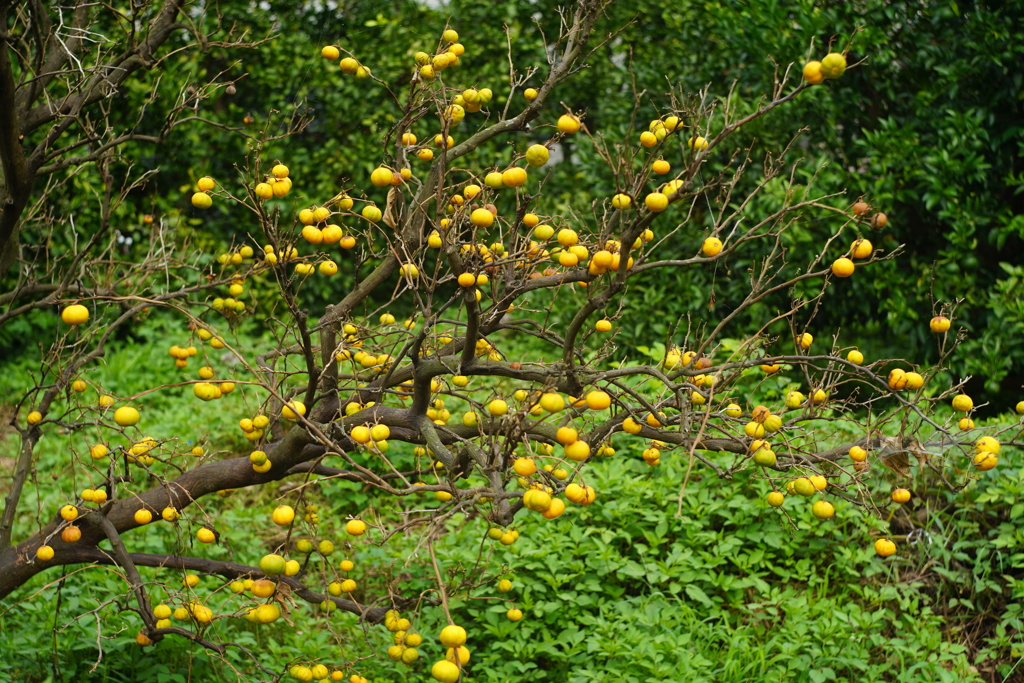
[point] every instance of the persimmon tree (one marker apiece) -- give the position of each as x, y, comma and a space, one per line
439, 410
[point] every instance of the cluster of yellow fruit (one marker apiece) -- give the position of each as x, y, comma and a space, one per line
570, 253
652, 454
353, 407
580, 494
230, 305
276, 184
659, 200
482, 216
806, 487
200, 199
539, 498
139, 452
311, 514
986, 453
449, 669
259, 461
263, 588
316, 229
273, 564
182, 354
505, 537
266, 613
235, 258
438, 414
97, 496
514, 176
405, 643
471, 100
193, 610
348, 65
374, 437
320, 673
447, 55
674, 358
961, 403
270, 257
861, 248
376, 363
206, 336
254, 428
211, 391
660, 129
831, 67
762, 421
762, 453
796, 399
901, 380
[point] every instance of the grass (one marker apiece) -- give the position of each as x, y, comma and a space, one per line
728, 589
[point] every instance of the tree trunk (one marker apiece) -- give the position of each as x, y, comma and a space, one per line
15, 173
13, 201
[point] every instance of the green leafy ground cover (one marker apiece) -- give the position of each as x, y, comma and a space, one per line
639, 586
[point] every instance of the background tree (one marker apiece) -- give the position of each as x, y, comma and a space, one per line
64, 71
474, 266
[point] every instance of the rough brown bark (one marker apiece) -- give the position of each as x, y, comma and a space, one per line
15, 177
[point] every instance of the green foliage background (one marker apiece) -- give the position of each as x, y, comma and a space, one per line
927, 127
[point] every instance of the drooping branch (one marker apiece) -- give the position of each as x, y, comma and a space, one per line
231, 571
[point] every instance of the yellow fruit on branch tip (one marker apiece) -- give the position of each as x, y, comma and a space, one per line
568, 123
812, 73
962, 403
842, 267
126, 416
453, 636
293, 409
444, 671
833, 65
75, 314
